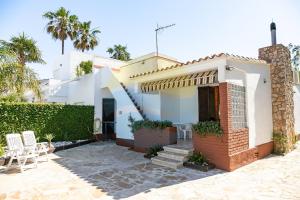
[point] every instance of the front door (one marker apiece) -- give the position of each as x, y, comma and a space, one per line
108, 118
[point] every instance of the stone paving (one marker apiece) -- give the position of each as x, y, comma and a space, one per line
107, 171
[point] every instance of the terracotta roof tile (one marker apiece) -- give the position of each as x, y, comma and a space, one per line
248, 59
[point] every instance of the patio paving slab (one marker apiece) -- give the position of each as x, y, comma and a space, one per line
104, 170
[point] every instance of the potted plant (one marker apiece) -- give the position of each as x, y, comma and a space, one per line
49, 138
199, 162
149, 133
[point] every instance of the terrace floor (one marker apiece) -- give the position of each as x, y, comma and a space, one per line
107, 171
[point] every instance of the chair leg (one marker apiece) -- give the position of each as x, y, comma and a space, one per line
35, 162
20, 164
9, 162
184, 135
47, 156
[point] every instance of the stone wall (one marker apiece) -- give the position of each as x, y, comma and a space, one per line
278, 56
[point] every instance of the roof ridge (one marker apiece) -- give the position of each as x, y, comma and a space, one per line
213, 56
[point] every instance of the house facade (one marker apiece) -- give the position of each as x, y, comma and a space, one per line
251, 98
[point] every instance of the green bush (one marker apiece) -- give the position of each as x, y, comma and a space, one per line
1, 147
281, 143
197, 158
136, 125
65, 122
208, 127
152, 151
85, 67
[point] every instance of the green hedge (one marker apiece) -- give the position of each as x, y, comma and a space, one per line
65, 122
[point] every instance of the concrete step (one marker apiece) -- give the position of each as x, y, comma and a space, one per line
174, 156
166, 162
177, 150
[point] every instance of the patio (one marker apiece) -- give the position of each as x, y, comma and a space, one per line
107, 171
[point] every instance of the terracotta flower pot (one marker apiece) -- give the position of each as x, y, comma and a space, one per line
97, 136
51, 148
145, 138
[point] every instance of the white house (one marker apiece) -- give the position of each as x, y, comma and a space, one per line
247, 95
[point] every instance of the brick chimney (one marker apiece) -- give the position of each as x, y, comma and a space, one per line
279, 58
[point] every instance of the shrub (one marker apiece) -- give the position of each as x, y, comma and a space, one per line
208, 127
1, 147
85, 67
281, 143
197, 158
65, 122
152, 151
136, 125
1, 150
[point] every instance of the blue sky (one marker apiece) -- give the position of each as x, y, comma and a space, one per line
202, 27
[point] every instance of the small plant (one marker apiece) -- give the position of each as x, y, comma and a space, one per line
208, 127
136, 125
152, 151
85, 67
280, 143
49, 138
197, 158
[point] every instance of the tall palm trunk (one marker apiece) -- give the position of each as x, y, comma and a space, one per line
62, 46
22, 74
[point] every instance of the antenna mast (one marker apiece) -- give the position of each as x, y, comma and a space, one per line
156, 31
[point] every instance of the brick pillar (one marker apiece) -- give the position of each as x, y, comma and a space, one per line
278, 56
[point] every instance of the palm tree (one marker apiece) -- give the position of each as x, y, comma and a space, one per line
119, 52
86, 37
61, 25
15, 54
295, 55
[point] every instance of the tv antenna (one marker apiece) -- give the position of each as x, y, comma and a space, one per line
159, 28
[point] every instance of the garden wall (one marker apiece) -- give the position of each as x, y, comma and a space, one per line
65, 122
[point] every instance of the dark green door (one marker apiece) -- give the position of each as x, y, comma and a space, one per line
108, 118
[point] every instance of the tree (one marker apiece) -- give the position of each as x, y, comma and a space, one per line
61, 25
119, 52
85, 67
15, 75
86, 38
295, 54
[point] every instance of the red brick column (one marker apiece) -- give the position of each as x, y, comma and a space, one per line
215, 149
231, 150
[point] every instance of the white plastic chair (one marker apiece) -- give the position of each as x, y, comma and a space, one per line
185, 130
17, 151
30, 143
188, 131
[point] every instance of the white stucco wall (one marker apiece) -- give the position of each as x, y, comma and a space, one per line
180, 105
189, 105
297, 108
170, 105
81, 91
151, 106
124, 106
258, 98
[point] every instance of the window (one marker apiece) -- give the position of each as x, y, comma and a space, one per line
208, 99
238, 105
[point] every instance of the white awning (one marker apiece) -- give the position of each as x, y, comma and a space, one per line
201, 78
